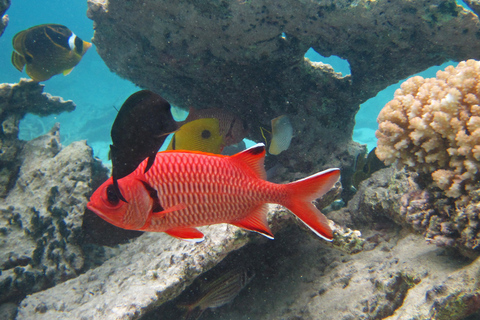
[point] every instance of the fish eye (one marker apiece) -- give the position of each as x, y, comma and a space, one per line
206, 134
112, 196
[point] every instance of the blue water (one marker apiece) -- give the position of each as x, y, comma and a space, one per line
96, 90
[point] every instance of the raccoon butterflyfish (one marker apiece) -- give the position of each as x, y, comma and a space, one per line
139, 130
47, 50
231, 127
188, 189
198, 135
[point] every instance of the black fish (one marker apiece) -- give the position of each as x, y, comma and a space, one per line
138, 132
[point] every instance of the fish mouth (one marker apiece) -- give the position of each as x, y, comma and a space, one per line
87, 45
92, 208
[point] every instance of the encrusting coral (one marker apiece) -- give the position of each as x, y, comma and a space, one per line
433, 126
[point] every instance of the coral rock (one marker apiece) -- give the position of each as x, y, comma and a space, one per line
41, 217
4, 5
433, 127
16, 100
248, 56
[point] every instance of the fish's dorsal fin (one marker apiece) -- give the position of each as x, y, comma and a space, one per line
254, 158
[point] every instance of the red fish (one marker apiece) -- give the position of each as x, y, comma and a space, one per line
183, 190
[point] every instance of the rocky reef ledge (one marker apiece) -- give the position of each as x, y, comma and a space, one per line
248, 56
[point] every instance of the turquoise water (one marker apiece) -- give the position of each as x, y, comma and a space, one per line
97, 91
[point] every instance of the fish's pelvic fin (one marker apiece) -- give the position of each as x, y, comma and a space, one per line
254, 157
177, 207
189, 234
303, 192
256, 221
67, 72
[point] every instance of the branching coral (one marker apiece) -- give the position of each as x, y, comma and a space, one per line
433, 126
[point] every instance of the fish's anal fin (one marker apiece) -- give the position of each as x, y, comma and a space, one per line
189, 234
256, 221
67, 72
176, 207
254, 157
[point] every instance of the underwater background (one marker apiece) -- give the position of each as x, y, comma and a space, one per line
402, 248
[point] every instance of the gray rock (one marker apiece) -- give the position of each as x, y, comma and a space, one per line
41, 217
16, 100
8, 311
148, 272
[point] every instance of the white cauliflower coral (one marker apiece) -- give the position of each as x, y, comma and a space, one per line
433, 126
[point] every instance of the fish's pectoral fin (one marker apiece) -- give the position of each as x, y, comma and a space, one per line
67, 72
18, 61
256, 221
189, 234
177, 207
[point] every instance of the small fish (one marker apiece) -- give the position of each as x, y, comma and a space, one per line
218, 292
198, 135
282, 133
47, 50
138, 132
364, 167
184, 190
232, 128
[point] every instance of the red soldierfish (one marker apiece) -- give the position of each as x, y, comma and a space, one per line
183, 190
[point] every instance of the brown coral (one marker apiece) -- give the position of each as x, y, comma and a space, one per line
433, 126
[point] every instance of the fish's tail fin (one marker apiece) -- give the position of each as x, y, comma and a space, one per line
191, 312
18, 61
303, 192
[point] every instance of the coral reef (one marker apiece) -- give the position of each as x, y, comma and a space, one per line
4, 5
249, 56
433, 126
41, 216
16, 100
392, 195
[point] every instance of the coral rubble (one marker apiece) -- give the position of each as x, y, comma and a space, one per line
433, 126
249, 56
16, 100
